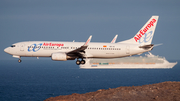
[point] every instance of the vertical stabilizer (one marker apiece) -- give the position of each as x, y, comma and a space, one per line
145, 35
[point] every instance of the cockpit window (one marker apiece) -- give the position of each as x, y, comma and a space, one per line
13, 45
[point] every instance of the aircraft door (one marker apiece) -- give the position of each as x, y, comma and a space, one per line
22, 47
127, 49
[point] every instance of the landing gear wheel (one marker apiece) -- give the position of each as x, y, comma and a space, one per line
19, 60
83, 61
78, 62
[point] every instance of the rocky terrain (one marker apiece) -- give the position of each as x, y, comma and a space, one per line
165, 91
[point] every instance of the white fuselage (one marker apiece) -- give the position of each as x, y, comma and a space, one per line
94, 50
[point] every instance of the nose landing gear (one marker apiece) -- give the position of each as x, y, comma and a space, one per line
19, 60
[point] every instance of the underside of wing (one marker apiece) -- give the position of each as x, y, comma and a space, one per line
79, 52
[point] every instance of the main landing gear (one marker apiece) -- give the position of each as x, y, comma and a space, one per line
19, 60
78, 62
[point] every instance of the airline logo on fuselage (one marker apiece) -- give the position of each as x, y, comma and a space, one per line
36, 47
53, 44
143, 31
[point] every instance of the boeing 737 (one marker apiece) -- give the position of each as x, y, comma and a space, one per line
62, 51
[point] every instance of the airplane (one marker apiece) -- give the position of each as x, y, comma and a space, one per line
62, 51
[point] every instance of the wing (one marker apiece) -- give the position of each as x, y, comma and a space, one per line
78, 52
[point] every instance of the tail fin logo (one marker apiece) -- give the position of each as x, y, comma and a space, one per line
147, 37
142, 32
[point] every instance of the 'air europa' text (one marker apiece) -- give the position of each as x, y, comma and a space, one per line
142, 32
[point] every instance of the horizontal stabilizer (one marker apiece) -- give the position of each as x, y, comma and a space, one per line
158, 44
146, 46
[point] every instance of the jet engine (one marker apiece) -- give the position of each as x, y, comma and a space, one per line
59, 56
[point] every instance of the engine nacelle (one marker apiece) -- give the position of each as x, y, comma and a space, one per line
59, 56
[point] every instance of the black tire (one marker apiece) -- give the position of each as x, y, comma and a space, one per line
19, 60
83, 61
78, 62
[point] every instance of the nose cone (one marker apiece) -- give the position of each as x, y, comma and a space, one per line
7, 50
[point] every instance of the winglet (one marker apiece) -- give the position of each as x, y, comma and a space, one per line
88, 41
114, 40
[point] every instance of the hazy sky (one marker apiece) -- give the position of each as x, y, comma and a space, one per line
67, 20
